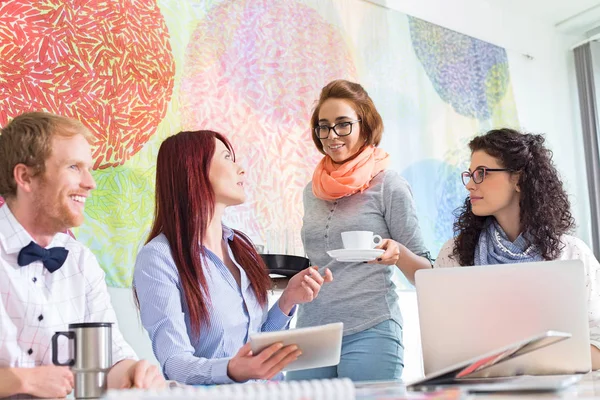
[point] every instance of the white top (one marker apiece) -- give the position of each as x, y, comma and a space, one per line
34, 303
575, 249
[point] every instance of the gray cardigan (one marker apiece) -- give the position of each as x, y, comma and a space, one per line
361, 295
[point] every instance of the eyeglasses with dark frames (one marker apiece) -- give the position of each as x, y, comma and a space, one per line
478, 175
340, 129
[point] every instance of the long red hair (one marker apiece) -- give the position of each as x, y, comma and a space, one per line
184, 207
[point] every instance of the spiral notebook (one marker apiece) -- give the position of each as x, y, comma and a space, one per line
321, 389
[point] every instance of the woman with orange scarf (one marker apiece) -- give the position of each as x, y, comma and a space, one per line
352, 190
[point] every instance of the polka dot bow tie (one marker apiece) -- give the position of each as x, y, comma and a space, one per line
52, 258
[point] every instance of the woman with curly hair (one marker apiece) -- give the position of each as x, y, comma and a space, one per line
518, 211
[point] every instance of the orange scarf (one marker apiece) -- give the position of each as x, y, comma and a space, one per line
333, 181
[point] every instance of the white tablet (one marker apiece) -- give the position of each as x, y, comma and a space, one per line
460, 372
321, 346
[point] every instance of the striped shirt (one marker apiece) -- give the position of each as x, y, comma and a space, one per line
234, 312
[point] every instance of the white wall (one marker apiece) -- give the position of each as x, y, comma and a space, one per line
130, 324
543, 79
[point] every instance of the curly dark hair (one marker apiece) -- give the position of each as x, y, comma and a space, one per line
545, 210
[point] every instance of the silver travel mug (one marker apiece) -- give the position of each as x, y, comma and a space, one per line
91, 356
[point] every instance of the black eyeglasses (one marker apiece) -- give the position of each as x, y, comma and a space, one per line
478, 175
340, 129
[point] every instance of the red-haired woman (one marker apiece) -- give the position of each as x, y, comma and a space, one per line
201, 286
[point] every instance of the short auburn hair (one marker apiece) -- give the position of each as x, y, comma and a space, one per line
27, 139
371, 125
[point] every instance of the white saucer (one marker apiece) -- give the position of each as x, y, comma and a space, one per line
355, 255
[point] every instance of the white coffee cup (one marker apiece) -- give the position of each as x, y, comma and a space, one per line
360, 240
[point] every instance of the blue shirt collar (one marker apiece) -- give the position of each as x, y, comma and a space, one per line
228, 233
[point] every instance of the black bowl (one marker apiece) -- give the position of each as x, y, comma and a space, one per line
285, 265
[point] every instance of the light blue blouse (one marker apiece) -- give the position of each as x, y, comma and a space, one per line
234, 313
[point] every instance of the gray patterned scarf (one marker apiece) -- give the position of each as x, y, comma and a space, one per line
494, 247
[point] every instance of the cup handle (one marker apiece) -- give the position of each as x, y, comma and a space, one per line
378, 242
70, 362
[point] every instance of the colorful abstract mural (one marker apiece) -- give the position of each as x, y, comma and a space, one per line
256, 82
473, 77
137, 71
467, 73
106, 63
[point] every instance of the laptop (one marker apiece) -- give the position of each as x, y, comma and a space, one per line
468, 311
461, 374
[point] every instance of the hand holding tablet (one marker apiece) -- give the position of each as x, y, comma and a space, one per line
247, 364
320, 346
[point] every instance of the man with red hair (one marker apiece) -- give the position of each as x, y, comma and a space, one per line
47, 279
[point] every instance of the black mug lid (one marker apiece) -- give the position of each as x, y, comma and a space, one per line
91, 325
